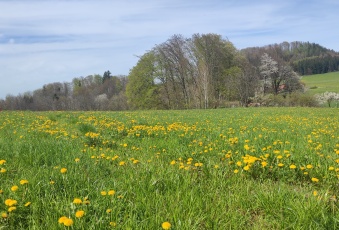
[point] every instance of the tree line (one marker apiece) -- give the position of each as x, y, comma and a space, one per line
202, 71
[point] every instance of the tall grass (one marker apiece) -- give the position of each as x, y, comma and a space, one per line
254, 168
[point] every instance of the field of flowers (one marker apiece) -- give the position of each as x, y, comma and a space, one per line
253, 168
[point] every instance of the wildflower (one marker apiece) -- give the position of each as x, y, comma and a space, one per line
11, 209
28, 204
2, 170
315, 179
10, 202
77, 201
166, 225
80, 213
173, 162
111, 192
120, 197
122, 163
239, 163
4, 215
246, 168
2, 162
112, 223
246, 147
103, 193
293, 167
109, 210
63, 170
22, 182
264, 164
331, 168
136, 161
236, 171
14, 188
280, 164
216, 166
309, 166
315, 193
62, 219
77, 159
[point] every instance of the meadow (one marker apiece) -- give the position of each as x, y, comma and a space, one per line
239, 168
321, 83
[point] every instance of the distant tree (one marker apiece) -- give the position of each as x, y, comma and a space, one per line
269, 72
141, 90
327, 97
106, 76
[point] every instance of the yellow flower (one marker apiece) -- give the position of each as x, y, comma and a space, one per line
122, 163
293, 167
331, 168
62, 219
112, 223
315, 179
279, 157
239, 163
2, 170
236, 171
68, 222
77, 159
80, 213
14, 188
315, 193
246, 168
109, 210
103, 193
111, 192
77, 201
2, 162
27, 204
173, 162
280, 164
11, 209
63, 170
264, 164
10, 202
166, 225
22, 182
309, 166
246, 147
4, 215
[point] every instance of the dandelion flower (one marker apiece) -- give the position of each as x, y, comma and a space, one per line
4, 215
236, 171
80, 213
103, 193
309, 166
112, 223
2, 162
315, 179
122, 163
293, 167
315, 193
111, 192
246, 168
10, 202
77, 159
280, 164
264, 164
11, 209
63, 170
166, 225
14, 188
2, 170
22, 182
28, 204
62, 219
77, 201
68, 222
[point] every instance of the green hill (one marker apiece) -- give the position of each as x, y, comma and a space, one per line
320, 83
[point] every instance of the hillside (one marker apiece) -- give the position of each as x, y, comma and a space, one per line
304, 57
320, 83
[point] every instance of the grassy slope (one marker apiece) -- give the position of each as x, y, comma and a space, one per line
324, 82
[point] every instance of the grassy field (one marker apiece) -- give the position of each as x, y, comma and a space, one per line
242, 168
320, 83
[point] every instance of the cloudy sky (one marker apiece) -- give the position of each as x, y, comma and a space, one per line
46, 41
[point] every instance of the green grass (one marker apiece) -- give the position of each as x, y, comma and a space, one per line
197, 169
320, 83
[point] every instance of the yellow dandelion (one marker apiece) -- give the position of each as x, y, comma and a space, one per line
111, 192
108, 210
11, 209
22, 182
264, 164
239, 163
79, 213
112, 223
315, 179
68, 222
10, 202
173, 162
77, 201
280, 164
14, 188
331, 168
309, 166
246, 168
63, 170
122, 163
2, 170
2, 162
315, 193
166, 225
103, 193
236, 171
77, 159
4, 215
293, 167
28, 204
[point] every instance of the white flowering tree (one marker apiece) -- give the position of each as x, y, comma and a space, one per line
327, 97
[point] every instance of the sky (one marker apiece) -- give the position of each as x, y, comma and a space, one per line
46, 41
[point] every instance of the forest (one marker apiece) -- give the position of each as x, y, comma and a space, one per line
199, 72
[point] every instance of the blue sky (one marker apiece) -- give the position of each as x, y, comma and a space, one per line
46, 41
